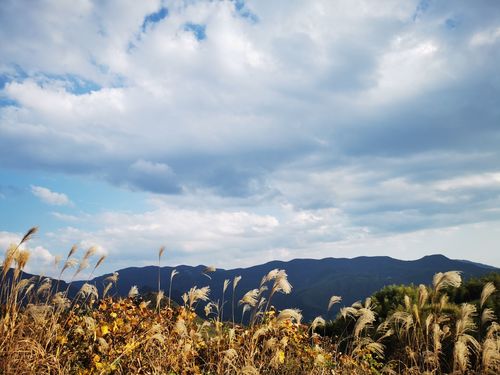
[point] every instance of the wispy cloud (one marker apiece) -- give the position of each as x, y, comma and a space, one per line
50, 197
65, 217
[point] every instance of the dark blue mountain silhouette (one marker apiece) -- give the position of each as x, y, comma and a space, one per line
314, 281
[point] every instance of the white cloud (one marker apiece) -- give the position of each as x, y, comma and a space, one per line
284, 83
241, 238
455, 242
484, 180
225, 237
401, 74
42, 262
50, 197
321, 122
65, 217
8, 238
486, 37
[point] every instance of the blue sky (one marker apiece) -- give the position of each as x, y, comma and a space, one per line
235, 133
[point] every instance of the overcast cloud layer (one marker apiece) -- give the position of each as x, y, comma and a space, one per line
239, 132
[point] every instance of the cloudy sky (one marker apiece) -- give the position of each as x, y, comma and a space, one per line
237, 132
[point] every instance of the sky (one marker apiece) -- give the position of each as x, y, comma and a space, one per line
238, 132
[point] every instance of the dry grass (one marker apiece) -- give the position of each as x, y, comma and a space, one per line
42, 331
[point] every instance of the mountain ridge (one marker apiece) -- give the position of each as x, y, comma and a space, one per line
314, 281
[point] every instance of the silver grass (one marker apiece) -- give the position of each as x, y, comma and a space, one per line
133, 292
348, 311
197, 294
113, 278
368, 302
84, 263
443, 280
45, 286
289, 315
159, 297
70, 263
61, 301
72, 251
160, 252
488, 290
99, 262
250, 298
236, 280
423, 295
271, 275
209, 308
91, 251
465, 323
357, 304
173, 274
492, 330
487, 315
207, 270
226, 284
230, 355
39, 313
23, 284
407, 303
333, 301
88, 290
29, 234
281, 284
317, 322
366, 318
490, 355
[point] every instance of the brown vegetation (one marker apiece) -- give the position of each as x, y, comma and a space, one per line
42, 331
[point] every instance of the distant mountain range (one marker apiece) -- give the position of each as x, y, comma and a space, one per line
313, 281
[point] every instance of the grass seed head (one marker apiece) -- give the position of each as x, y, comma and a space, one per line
29, 234
197, 294
159, 297
488, 315
289, 315
488, 290
9, 257
236, 280
317, 322
226, 284
99, 262
173, 274
112, 278
333, 301
207, 270
443, 280
72, 251
160, 252
281, 284
45, 286
88, 290
90, 251
22, 258
133, 292
250, 298
423, 295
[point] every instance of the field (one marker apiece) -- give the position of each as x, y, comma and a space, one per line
401, 329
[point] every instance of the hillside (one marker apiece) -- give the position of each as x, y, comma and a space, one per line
314, 281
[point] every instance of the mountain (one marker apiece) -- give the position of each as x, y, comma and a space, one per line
479, 264
313, 281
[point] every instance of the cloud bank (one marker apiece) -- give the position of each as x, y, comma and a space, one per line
283, 128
